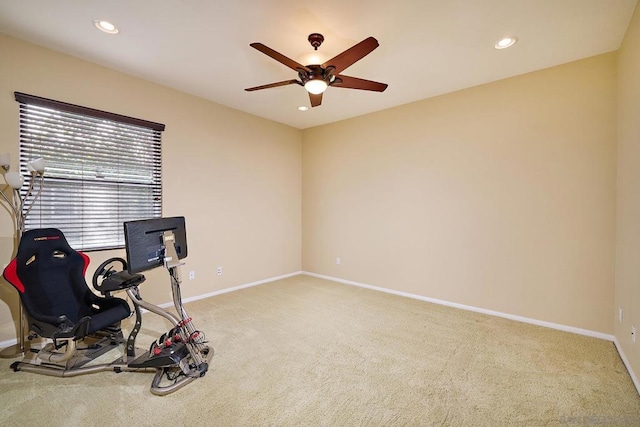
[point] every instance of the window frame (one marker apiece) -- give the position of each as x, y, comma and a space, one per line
155, 187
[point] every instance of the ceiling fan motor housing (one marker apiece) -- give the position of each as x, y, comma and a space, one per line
316, 40
316, 73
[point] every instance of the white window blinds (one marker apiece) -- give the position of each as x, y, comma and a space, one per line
102, 169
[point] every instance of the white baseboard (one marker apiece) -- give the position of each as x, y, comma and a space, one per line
551, 325
608, 337
7, 343
623, 356
566, 328
4, 344
232, 289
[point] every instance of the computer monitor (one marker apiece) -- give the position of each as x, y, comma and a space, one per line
144, 244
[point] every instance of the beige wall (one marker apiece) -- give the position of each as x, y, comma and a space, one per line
235, 177
500, 197
627, 288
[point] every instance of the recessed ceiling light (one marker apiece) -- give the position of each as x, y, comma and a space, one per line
303, 108
506, 42
105, 26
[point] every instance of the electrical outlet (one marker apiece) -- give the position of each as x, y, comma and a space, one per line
633, 334
192, 275
620, 314
219, 271
338, 260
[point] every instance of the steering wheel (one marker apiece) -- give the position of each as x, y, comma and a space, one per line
105, 270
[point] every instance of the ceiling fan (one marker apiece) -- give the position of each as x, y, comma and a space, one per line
316, 78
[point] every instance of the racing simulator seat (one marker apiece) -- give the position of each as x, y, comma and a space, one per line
74, 326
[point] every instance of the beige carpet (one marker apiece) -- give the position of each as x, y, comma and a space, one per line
305, 351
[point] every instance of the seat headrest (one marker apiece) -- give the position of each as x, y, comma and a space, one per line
43, 239
42, 245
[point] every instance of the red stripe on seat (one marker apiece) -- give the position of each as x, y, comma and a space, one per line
86, 262
11, 275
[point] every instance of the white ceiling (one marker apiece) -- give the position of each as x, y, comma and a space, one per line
427, 47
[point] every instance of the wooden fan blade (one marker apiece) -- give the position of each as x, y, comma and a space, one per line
315, 99
270, 85
356, 83
352, 55
279, 57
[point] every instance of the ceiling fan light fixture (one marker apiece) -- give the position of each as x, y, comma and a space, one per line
316, 86
316, 78
105, 26
303, 108
506, 42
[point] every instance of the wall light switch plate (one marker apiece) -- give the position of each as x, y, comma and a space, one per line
620, 314
633, 334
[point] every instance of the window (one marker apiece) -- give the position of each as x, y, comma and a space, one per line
102, 169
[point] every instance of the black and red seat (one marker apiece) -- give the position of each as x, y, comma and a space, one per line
50, 278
